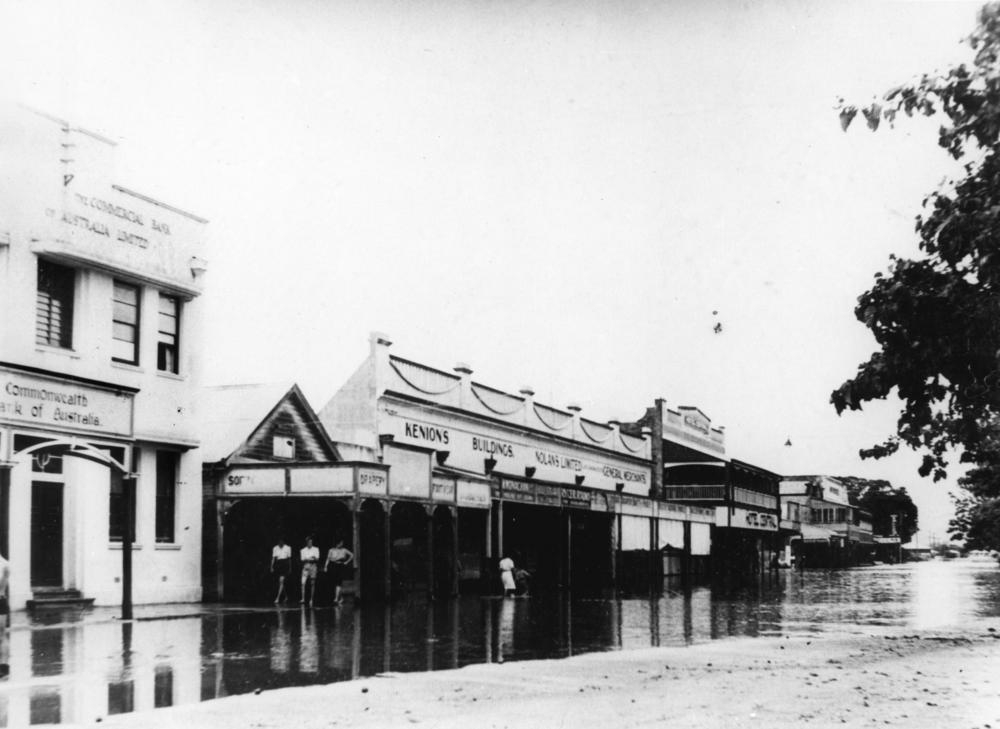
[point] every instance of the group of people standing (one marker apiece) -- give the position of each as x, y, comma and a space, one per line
337, 566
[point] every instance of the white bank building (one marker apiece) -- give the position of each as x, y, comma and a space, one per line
99, 329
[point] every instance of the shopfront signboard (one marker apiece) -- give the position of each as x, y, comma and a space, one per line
322, 480
473, 494
55, 403
518, 491
372, 482
576, 498
443, 489
636, 506
254, 481
480, 448
547, 495
745, 519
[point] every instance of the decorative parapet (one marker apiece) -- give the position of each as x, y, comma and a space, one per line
635, 445
425, 382
497, 402
552, 419
393, 374
595, 432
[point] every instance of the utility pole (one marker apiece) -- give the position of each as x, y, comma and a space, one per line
128, 536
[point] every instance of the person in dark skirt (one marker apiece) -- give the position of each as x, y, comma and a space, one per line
339, 558
281, 567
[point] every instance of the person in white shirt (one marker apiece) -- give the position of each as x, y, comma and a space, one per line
310, 566
281, 565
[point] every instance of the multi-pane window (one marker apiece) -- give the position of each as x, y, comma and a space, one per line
54, 305
166, 495
169, 334
125, 323
116, 503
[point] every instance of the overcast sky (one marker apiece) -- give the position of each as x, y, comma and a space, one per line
561, 194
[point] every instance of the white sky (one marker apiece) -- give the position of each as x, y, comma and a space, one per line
558, 193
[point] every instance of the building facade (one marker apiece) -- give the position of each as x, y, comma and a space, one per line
691, 468
100, 297
835, 532
476, 473
270, 472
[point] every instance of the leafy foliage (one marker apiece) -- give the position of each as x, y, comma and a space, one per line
977, 510
976, 522
937, 319
883, 501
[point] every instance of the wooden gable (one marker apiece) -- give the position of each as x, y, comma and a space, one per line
291, 432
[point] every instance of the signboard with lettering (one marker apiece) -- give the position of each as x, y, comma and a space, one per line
470, 446
115, 227
323, 480
602, 501
411, 472
443, 489
746, 519
55, 403
576, 498
692, 427
254, 481
636, 506
474, 494
518, 491
547, 495
372, 482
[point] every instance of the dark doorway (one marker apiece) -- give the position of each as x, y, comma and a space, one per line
251, 530
408, 550
371, 563
444, 552
46, 534
535, 538
473, 568
591, 552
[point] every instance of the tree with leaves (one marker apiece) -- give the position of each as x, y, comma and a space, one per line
886, 504
936, 318
977, 509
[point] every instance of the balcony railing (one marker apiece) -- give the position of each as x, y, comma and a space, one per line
696, 493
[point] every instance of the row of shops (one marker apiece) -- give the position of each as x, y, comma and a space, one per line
432, 478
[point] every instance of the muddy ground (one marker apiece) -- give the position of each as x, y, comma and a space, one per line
946, 679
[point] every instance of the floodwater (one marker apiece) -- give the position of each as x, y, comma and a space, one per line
67, 668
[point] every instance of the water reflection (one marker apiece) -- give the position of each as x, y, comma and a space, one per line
78, 671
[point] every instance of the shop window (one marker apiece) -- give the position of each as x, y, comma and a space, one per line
125, 323
54, 305
168, 336
116, 503
166, 495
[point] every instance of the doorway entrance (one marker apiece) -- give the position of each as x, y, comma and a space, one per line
46, 534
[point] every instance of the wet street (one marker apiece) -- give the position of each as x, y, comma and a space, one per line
72, 668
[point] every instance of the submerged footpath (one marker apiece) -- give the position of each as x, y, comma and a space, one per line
940, 678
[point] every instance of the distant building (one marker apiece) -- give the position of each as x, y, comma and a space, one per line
691, 468
835, 532
100, 330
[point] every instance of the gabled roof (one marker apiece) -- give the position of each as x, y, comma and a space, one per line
230, 415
